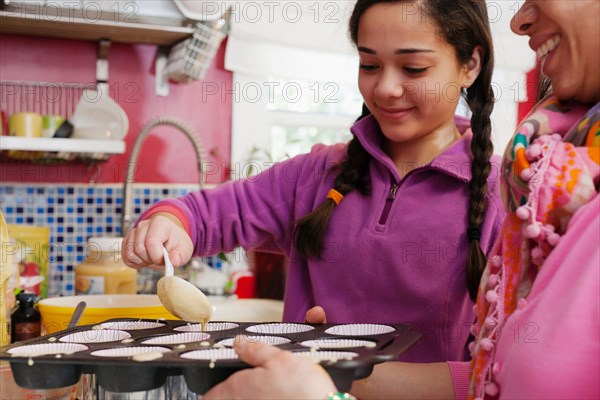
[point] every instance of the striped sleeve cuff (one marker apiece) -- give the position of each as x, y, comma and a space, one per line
168, 208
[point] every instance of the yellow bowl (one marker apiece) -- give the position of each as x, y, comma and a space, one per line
57, 311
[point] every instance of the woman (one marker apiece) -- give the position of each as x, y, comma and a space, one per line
538, 310
402, 216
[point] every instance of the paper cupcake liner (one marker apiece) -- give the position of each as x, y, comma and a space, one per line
33, 350
210, 327
359, 329
331, 356
279, 328
211, 354
272, 340
336, 343
128, 351
179, 338
131, 325
95, 336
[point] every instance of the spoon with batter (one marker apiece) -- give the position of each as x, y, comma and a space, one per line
181, 298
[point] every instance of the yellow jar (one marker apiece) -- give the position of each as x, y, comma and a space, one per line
6, 267
103, 271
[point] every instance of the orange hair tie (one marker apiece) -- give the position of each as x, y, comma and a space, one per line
335, 196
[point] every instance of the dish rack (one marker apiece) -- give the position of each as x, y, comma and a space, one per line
190, 59
49, 98
44, 98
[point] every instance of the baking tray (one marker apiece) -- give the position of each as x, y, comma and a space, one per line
130, 355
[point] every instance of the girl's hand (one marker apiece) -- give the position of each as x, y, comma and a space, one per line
277, 375
143, 246
315, 315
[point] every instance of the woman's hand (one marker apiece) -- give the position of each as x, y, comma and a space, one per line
143, 246
277, 375
315, 316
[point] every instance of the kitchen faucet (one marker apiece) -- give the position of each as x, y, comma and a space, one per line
127, 217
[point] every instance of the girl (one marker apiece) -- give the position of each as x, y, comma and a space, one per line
393, 226
538, 308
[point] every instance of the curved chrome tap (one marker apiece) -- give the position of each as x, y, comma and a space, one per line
127, 217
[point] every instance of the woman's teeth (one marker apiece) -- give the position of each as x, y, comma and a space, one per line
548, 46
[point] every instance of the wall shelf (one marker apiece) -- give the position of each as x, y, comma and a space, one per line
62, 145
70, 23
121, 32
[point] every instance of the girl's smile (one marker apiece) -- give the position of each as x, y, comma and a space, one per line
395, 113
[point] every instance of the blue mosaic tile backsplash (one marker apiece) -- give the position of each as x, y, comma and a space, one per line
74, 213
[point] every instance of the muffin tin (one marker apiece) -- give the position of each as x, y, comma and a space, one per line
130, 355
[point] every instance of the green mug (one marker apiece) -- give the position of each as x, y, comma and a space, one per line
50, 124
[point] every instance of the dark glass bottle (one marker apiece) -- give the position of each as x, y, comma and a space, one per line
26, 320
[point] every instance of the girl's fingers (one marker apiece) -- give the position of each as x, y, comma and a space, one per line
139, 246
315, 315
143, 246
158, 234
128, 252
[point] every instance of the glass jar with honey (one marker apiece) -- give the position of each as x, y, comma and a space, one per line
103, 270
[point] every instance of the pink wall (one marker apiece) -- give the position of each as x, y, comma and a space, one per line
166, 155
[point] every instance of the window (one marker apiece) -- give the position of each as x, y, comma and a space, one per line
280, 118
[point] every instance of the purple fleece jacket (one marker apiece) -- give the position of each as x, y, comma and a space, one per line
400, 260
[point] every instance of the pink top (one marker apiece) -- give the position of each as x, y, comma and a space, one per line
559, 322
538, 307
550, 347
